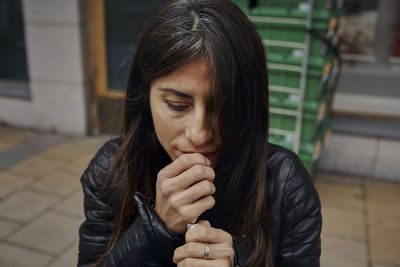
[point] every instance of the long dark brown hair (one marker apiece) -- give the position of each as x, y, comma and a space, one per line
218, 31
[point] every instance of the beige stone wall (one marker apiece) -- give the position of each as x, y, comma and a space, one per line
56, 68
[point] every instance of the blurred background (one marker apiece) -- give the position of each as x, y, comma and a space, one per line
334, 70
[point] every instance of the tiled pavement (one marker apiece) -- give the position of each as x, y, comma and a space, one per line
41, 208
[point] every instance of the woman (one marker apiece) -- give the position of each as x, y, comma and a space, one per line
194, 150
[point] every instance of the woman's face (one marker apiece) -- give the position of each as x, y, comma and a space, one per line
183, 114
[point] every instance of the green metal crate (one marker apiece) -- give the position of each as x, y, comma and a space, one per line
291, 79
309, 128
319, 15
316, 84
307, 149
313, 114
280, 30
300, 4
295, 56
243, 4
311, 107
288, 123
309, 152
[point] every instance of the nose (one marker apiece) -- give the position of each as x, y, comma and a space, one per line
199, 130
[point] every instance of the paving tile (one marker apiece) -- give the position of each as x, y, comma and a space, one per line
13, 131
384, 264
36, 166
93, 141
77, 171
58, 182
10, 181
344, 222
383, 215
5, 146
24, 205
340, 178
67, 152
384, 245
6, 228
30, 148
80, 164
51, 233
11, 139
388, 160
338, 194
73, 205
384, 192
68, 258
17, 257
343, 252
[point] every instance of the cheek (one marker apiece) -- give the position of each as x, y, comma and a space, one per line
165, 128
160, 124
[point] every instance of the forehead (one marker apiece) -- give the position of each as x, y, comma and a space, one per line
192, 79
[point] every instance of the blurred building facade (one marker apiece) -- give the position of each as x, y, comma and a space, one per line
63, 67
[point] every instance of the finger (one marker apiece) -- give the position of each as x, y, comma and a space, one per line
182, 163
204, 222
195, 209
194, 225
189, 250
180, 184
194, 174
208, 234
204, 263
197, 250
194, 193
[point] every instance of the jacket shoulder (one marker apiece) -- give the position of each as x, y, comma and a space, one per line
283, 162
288, 173
100, 165
297, 210
106, 153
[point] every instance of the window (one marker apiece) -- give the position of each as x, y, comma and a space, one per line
13, 63
125, 20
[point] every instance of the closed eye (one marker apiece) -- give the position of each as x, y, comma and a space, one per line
176, 107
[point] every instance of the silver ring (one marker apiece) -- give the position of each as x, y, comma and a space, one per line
207, 251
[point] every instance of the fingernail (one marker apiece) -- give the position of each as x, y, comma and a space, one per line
208, 162
191, 225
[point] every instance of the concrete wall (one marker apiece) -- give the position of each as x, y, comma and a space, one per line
362, 155
57, 84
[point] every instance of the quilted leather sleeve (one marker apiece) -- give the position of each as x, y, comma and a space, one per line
300, 243
145, 243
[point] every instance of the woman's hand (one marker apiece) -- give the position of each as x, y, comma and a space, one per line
183, 191
221, 252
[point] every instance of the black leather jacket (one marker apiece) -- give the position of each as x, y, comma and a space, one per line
295, 219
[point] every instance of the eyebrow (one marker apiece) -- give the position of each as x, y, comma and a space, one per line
175, 92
